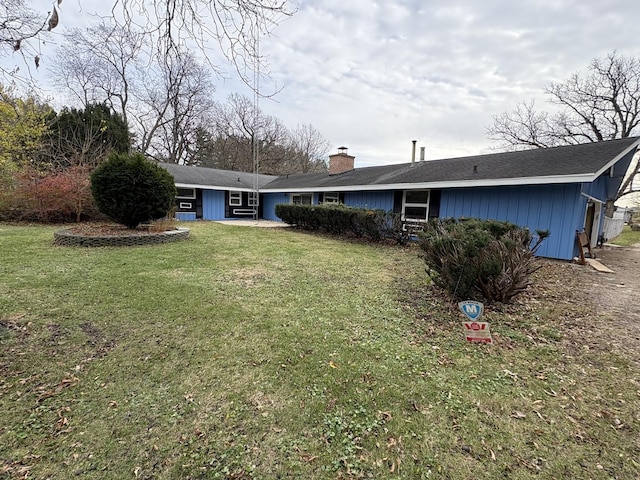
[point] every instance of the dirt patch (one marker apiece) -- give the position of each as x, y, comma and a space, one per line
616, 299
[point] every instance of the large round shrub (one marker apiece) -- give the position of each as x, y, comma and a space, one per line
130, 190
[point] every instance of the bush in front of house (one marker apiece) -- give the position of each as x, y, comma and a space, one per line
131, 190
480, 259
375, 225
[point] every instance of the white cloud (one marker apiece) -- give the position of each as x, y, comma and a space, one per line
375, 75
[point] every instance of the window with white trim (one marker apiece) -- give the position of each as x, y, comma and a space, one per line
253, 199
415, 205
235, 199
301, 198
331, 197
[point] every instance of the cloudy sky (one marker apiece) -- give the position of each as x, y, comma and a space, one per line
373, 75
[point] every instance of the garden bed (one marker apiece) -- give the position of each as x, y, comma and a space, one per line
115, 236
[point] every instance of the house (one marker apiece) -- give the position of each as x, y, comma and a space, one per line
561, 189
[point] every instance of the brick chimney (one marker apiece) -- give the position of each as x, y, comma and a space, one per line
340, 162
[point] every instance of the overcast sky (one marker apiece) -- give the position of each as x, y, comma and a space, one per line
373, 76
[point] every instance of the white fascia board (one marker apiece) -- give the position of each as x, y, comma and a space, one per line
592, 198
213, 187
616, 159
499, 182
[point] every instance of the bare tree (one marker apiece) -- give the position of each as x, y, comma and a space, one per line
20, 25
310, 149
241, 132
600, 105
173, 107
100, 65
235, 25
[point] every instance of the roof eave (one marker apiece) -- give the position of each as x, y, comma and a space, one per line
617, 158
215, 187
501, 182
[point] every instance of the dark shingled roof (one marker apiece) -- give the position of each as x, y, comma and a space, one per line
224, 179
565, 161
559, 163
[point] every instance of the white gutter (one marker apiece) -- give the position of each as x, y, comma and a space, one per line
554, 179
215, 187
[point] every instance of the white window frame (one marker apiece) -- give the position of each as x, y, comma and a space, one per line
300, 196
189, 197
419, 205
253, 199
235, 199
185, 205
331, 197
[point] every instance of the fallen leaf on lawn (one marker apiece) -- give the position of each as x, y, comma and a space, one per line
518, 415
332, 364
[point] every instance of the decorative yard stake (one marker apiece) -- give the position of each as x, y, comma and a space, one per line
475, 331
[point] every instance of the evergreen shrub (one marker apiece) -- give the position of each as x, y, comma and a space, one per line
374, 225
480, 259
131, 190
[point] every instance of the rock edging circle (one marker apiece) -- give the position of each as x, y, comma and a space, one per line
66, 238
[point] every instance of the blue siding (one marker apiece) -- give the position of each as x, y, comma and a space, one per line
557, 208
269, 202
374, 200
186, 216
213, 205
597, 189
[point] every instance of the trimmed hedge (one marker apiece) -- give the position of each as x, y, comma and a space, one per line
486, 259
375, 225
131, 190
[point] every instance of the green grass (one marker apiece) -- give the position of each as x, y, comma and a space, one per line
260, 353
627, 238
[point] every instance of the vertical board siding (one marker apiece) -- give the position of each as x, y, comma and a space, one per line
382, 200
557, 208
269, 202
213, 203
597, 189
186, 216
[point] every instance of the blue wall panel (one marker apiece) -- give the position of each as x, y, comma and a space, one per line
269, 202
186, 216
213, 204
557, 208
382, 200
597, 189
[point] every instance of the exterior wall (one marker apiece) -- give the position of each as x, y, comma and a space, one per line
186, 216
382, 200
597, 189
557, 208
213, 205
269, 202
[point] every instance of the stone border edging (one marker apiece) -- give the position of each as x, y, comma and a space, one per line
65, 238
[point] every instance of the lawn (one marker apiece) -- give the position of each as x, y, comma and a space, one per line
627, 238
271, 353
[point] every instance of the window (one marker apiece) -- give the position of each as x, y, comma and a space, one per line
301, 198
185, 205
331, 197
415, 205
235, 199
186, 193
253, 199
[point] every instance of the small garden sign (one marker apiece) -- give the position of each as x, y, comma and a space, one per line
474, 330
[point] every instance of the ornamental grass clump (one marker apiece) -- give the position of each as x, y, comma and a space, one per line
480, 259
131, 190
